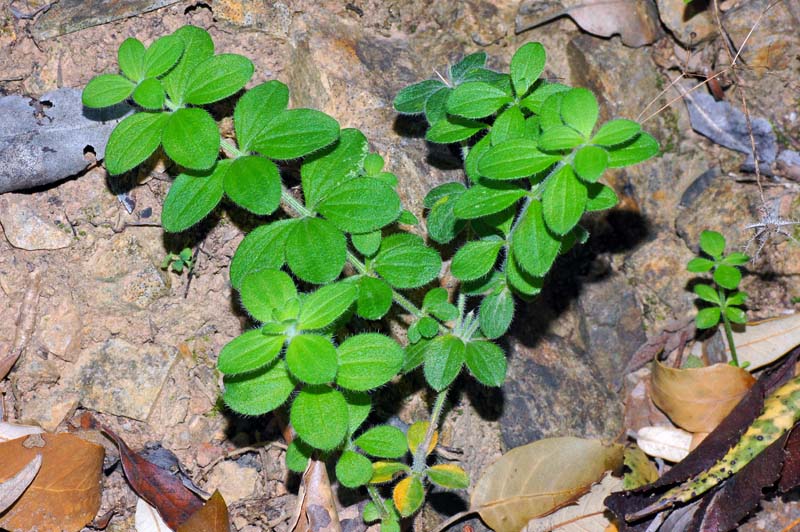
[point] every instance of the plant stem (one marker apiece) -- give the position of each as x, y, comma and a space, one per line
728, 329
372, 491
421, 454
230, 148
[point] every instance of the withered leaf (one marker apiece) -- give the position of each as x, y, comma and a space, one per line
669, 443
640, 470
212, 517
763, 342
12, 489
586, 514
65, 495
147, 518
316, 506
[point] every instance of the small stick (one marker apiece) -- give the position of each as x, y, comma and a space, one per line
26, 320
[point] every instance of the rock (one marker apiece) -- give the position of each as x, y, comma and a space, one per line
272, 18
689, 24
26, 229
59, 330
552, 389
789, 164
773, 46
233, 481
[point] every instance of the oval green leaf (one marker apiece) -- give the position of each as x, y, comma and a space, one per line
218, 77
361, 205
563, 200
353, 469
475, 259
248, 352
534, 246
323, 307
476, 99
444, 357
295, 133
106, 90
254, 183
486, 362
266, 290
514, 159
405, 262
192, 197
527, 65
311, 358
262, 249
383, 441
191, 138
149, 94
316, 250
367, 361
258, 392
319, 415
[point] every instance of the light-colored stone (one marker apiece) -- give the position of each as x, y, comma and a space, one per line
689, 27
59, 330
26, 229
233, 481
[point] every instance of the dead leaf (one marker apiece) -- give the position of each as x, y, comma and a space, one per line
697, 399
147, 518
212, 517
160, 488
640, 470
670, 443
586, 515
636, 21
540, 477
13, 488
763, 342
65, 495
11, 431
316, 506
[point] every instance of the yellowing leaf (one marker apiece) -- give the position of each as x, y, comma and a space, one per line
408, 496
640, 470
765, 341
697, 399
536, 479
385, 471
669, 443
588, 512
448, 476
416, 435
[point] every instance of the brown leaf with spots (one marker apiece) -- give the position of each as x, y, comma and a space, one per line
212, 517
65, 495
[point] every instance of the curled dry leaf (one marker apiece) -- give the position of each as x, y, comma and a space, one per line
316, 506
670, 443
764, 342
10, 431
697, 399
533, 480
588, 512
65, 495
212, 517
12, 489
147, 518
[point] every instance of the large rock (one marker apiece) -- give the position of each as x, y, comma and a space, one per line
27, 228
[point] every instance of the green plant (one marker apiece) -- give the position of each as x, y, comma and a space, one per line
723, 293
533, 156
178, 262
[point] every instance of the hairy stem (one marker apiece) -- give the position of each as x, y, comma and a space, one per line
421, 454
726, 323
377, 499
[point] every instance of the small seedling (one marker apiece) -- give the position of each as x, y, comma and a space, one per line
179, 262
723, 293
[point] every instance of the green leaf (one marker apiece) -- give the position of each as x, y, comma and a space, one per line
443, 360
262, 249
442, 223
496, 313
161, 55
707, 318
436, 303
448, 476
563, 200
579, 109
312, 358
712, 243
373, 164
325, 171
427, 327
256, 108
486, 362
578, 235
590, 162
374, 298
298, 454
527, 65
249, 351
559, 138
254, 183
198, 46
453, 129
192, 197
467, 63
319, 415
475, 259
386, 471
642, 147
367, 243
361, 205
727, 276
266, 290
149, 94
550, 110
534, 246
514, 159
442, 192
411, 100
600, 197
510, 124
736, 298
479, 200
370, 513
407, 218
735, 259
296, 133
359, 405
616, 132
475, 154
367, 361
476, 99
353, 469
736, 315
521, 281
316, 250
543, 90
408, 496
436, 106
383, 441
218, 77
258, 392
706, 293
323, 307
415, 353
191, 138
405, 262
130, 57
106, 90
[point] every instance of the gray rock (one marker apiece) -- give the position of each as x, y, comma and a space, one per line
25, 228
689, 24
788, 164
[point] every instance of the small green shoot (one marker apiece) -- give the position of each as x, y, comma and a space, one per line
177, 262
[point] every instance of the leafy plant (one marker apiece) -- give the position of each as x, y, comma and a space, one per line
178, 262
723, 292
533, 155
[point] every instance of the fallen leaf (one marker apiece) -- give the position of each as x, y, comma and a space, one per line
316, 506
212, 517
640, 470
10, 431
697, 399
65, 495
540, 477
147, 518
670, 443
159, 488
13, 488
636, 21
586, 515
763, 342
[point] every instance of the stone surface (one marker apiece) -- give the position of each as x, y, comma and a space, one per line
68, 16
59, 330
234, 482
691, 25
25, 228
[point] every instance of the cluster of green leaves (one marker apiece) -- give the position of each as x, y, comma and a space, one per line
177, 262
533, 159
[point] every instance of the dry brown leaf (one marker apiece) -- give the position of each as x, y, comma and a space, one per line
11, 431
212, 517
636, 21
764, 342
13, 488
697, 399
65, 495
586, 515
533, 480
670, 443
316, 506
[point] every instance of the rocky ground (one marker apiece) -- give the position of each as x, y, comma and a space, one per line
118, 335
